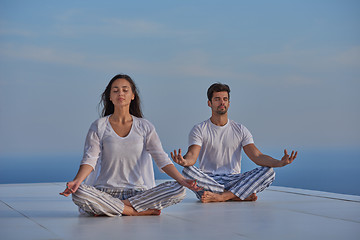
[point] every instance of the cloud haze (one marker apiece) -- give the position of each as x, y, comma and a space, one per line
294, 75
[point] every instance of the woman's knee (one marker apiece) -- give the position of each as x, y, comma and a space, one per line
181, 193
85, 193
177, 190
82, 190
94, 201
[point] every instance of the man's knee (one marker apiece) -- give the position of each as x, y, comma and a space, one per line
190, 171
269, 174
270, 171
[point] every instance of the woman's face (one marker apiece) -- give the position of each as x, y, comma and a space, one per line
121, 93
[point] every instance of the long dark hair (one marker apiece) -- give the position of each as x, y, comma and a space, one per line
108, 106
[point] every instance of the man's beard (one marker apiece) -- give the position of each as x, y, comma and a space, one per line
221, 112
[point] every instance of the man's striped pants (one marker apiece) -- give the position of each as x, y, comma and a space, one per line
241, 185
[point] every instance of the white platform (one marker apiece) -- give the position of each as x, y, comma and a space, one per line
37, 211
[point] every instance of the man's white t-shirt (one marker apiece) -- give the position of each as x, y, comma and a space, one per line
125, 162
220, 146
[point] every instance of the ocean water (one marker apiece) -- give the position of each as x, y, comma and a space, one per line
323, 170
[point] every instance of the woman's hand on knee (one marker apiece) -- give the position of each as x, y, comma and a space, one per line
71, 187
191, 184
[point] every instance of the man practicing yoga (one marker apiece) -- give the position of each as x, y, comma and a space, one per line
218, 142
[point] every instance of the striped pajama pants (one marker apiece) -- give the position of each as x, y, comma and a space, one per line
242, 184
107, 201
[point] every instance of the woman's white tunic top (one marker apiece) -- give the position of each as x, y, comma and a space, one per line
124, 162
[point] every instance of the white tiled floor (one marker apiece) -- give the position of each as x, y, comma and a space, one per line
36, 211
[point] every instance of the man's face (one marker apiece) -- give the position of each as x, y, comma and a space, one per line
219, 103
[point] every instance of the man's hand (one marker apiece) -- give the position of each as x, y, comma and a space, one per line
178, 158
287, 159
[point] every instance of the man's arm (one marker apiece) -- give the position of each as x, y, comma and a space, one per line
266, 161
189, 158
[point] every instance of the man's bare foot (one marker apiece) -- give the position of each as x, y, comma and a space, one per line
251, 198
223, 197
212, 197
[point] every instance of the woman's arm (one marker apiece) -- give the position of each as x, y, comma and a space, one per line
92, 151
171, 170
154, 147
72, 186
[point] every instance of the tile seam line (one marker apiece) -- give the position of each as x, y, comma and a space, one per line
319, 215
27, 217
312, 195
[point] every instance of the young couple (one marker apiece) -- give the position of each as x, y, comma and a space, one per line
116, 175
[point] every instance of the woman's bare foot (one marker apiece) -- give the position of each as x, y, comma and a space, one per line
130, 211
149, 212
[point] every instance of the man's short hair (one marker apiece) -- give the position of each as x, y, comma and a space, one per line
217, 87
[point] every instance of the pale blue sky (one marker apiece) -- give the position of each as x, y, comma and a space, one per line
293, 68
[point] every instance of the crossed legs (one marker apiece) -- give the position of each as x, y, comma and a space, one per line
150, 202
230, 187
